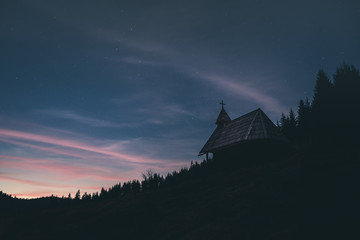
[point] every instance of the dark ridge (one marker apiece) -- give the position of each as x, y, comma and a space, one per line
293, 197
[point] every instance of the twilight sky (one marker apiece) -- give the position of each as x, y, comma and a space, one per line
97, 92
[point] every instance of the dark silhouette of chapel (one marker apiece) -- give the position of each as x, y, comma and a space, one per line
252, 134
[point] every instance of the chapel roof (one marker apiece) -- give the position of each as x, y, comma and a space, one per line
254, 125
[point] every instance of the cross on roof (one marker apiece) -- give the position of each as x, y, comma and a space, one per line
222, 104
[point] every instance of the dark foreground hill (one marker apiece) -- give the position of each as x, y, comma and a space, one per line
301, 196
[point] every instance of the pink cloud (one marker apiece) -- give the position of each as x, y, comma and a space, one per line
24, 136
52, 167
31, 182
70, 172
52, 150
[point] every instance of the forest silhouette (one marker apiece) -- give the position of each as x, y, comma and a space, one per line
309, 190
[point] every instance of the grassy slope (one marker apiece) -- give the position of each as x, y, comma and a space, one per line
303, 196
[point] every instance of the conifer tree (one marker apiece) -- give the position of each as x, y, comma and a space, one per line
322, 95
284, 123
304, 114
307, 106
135, 186
347, 79
292, 119
95, 195
322, 108
347, 87
103, 192
301, 113
77, 195
347, 117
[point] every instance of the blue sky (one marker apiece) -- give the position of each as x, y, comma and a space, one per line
97, 92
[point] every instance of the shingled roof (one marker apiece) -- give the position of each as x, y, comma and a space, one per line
254, 125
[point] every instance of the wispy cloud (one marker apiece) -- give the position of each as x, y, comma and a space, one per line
68, 171
238, 88
154, 109
122, 153
76, 117
140, 46
139, 61
208, 74
52, 150
68, 143
76, 161
160, 113
31, 182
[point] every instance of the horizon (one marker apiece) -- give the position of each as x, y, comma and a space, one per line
95, 94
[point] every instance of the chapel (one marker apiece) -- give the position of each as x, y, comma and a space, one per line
251, 134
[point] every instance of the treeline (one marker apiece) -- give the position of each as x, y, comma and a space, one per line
331, 118
151, 182
5, 197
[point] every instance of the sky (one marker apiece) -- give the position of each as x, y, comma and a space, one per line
96, 92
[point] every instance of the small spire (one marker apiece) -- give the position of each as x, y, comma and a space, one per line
222, 104
223, 117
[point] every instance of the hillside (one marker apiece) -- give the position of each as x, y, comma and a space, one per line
305, 195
